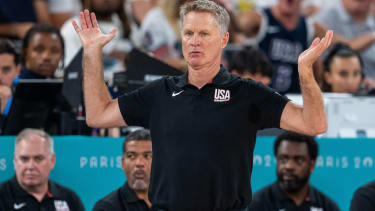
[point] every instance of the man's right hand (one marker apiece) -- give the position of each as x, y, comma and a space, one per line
89, 32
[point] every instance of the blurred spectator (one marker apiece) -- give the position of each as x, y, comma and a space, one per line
364, 198
136, 11
313, 7
251, 63
17, 16
282, 33
343, 71
31, 189
110, 15
42, 50
262, 3
236, 36
295, 156
353, 18
9, 69
161, 32
61, 11
136, 163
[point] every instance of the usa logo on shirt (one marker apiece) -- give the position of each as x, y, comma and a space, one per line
61, 205
221, 95
316, 209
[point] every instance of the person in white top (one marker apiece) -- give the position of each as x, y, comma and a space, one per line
61, 11
161, 35
111, 15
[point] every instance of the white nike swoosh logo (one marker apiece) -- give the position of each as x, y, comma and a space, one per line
174, 94
19, 206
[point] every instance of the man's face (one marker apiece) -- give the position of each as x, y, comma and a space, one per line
8, 69
289, 7
357, 7
33, 162
294, 166
136, 163
43, 54
202, 42
105, 8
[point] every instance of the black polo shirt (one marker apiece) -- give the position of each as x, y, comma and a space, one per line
123, 198
13, 197
202, 139
364, 198
271, 198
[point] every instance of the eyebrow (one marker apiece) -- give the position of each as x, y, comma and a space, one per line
293, 156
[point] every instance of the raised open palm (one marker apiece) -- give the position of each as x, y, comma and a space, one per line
317, 47
90, 33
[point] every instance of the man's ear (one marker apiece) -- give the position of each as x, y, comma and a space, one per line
53, 160
224, 40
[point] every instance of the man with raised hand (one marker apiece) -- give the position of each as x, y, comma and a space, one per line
203, 123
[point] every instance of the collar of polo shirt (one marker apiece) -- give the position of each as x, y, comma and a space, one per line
222, 77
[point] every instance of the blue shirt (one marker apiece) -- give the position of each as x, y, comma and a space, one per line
283, 46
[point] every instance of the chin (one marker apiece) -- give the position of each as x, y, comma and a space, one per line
31, 183
140, 185
195, 62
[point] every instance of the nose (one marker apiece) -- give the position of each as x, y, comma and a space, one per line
140, 162
196, 40
30, 164
46, 55
290, 164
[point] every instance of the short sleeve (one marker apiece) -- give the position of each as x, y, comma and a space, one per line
135, 107
266, 106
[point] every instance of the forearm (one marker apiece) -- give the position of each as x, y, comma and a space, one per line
313, 113
17, 30
42, 12
9, 30
96, 94
357, 43
362, 42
